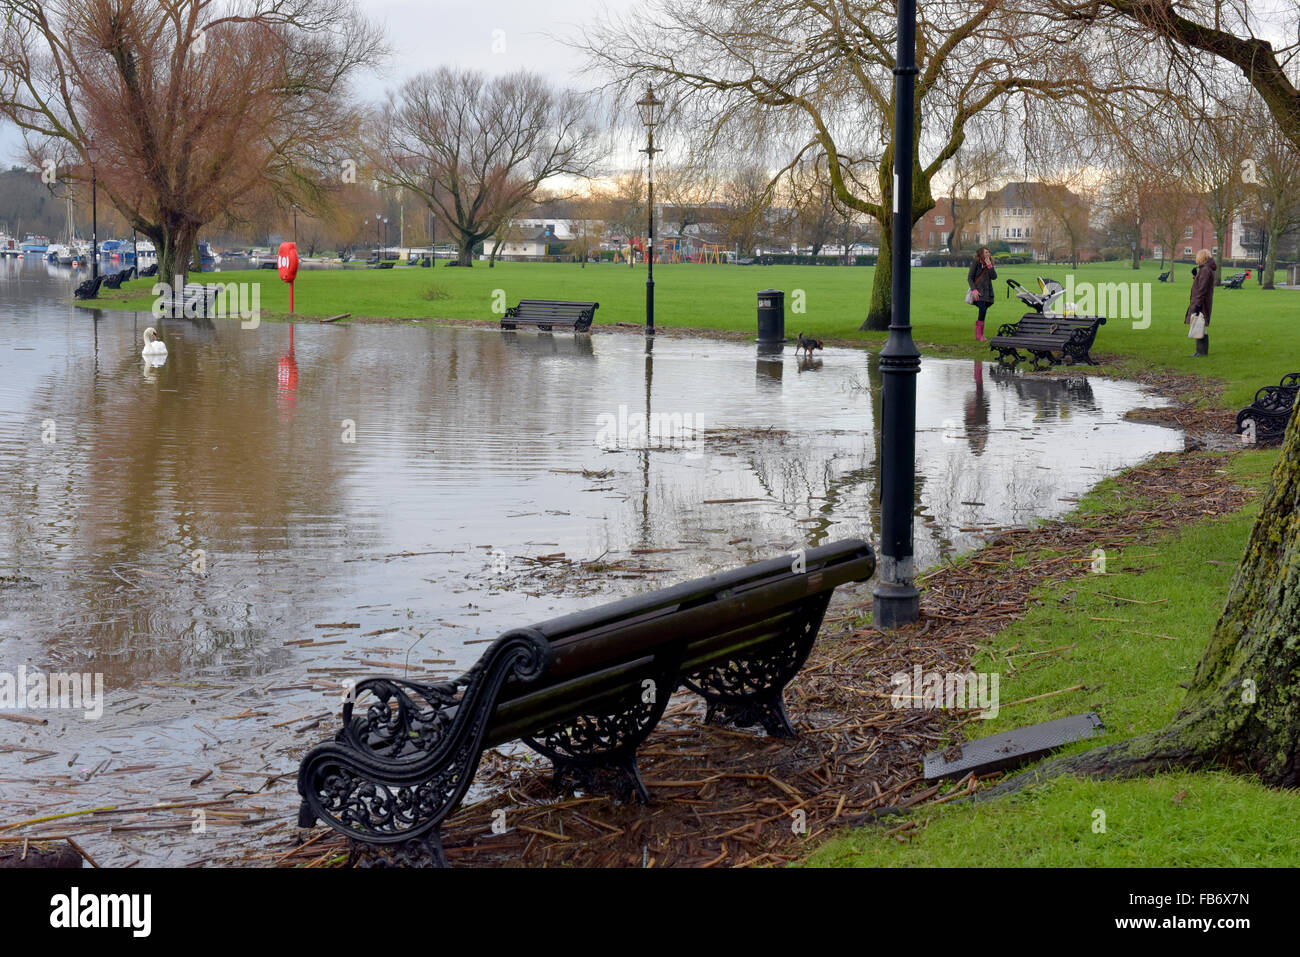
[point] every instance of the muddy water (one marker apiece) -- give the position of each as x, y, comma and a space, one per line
273, 510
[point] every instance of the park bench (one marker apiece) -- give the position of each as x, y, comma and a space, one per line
584, 690
199, 302
148, 272
115, 281
545, 314
1164, 277
89, 289
1264, 421
1049, 340
1235, 281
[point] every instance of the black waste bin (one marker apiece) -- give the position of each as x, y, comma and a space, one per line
771, 316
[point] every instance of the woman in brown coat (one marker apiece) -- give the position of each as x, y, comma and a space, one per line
1206, 275
980, 278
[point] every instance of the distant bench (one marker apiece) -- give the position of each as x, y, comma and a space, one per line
1235, 281
545, 314
584, 690
1265, 419
1050, 340
89, 289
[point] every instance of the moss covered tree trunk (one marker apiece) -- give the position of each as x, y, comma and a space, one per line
882, 285
1242, 710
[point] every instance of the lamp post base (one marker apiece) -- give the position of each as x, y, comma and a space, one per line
650, 308
894, 605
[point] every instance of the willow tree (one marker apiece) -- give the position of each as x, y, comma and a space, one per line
815, 77
187, 111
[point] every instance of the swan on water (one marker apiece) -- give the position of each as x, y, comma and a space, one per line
153, 346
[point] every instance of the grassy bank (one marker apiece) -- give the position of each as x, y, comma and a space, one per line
1253, 332
1130, 637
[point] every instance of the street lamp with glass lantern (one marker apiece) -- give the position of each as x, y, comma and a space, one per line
651, 109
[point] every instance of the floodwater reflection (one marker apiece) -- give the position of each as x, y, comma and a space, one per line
449, 483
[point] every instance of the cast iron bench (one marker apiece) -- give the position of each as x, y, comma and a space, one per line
1235, 281
1164, 276
584, 690
115, 281
546, 314
199, 302
89, 289
1266, 418
1050, 340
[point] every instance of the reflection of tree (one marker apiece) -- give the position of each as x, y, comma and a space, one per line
146, 473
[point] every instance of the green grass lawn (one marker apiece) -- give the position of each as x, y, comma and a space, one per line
1132, 658
1254, 333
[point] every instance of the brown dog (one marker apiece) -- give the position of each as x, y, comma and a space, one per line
807, 344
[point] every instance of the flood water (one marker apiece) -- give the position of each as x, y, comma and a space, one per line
196, 523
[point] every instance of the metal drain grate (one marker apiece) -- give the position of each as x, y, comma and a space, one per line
1011, 749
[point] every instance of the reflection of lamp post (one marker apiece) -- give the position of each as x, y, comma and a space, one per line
651, 108
896, 598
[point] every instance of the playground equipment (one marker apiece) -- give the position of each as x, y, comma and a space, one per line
714, 253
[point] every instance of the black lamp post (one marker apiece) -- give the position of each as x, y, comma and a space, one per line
94, 217
897, 601
651, 113
1263, 243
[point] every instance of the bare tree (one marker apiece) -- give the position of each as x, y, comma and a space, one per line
1199, 39
624, 208
1242, 707
747, 196
683, 192
814, 213
1221, 161
477, 149
815, 76
980, 163
189, 111
1276, 196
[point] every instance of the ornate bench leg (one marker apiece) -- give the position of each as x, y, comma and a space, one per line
597, 752
749, 691
621, 779
418, 852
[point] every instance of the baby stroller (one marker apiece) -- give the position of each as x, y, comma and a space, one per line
1042, 301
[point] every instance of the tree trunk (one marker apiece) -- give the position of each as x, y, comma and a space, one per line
174, 250
464, 250
1242, 710
1270, 262
882, 285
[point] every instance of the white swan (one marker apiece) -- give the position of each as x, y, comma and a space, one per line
153, 346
